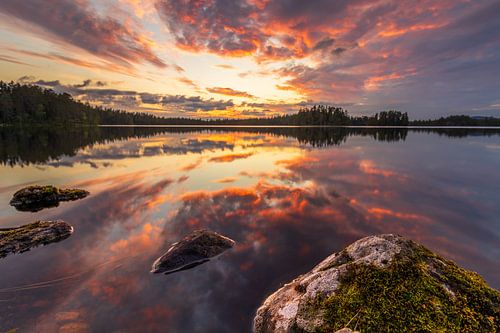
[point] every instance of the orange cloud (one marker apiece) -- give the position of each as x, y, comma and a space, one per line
286, 87
393, 31
370, 168
380, 213
226, 180
141, 7
229, 92
146, 239
187, 81
192, 166
373, 83
225, 66
230, 157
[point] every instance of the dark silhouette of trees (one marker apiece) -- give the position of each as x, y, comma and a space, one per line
38, 145
461, 120
33, 105
323, 115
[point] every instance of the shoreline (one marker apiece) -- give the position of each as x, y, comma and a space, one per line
76, 125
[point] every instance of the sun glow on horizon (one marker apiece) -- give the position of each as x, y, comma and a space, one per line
255, 58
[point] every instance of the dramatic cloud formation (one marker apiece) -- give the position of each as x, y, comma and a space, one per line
230, 157
78, 24
395, 57
375, 50
426, 57
283, 28
267, 29
95, 91
92, 91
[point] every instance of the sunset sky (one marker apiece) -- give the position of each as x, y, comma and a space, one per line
229, 58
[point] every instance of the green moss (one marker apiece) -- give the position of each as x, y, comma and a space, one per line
11, 234
416, 293
73, 193
36, 198
22, 239
342, 258
49, 189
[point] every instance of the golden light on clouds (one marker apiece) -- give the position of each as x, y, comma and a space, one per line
256, 57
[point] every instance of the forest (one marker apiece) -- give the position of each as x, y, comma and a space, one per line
32, 105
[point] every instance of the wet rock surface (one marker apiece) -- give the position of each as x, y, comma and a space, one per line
383, 283
26, 237
36, 198
192, 250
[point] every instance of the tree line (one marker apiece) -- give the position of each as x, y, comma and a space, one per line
30, 104
39, 145
458, 121
22, 104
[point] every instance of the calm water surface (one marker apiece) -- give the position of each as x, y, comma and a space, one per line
289, 197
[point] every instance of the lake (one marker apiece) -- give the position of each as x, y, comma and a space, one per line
289, 197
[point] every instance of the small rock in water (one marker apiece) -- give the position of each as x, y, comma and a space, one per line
36, 198
193, 250
22, 239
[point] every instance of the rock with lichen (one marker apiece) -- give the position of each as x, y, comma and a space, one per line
26, 237
36, 198
192, 250
383, 283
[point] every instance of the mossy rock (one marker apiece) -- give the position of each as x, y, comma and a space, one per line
383, 283
36, 198
26, 237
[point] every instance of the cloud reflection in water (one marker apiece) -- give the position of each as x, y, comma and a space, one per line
285, 204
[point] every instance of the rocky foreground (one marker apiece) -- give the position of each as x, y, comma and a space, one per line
36, 198
192, 250
383, 283
26, 237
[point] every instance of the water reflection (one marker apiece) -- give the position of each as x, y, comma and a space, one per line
39, 145
288, 197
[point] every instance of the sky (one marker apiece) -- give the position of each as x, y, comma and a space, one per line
253, 58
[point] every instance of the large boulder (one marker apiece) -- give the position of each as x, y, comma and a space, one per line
35, 198
22, 239
193, 250
383, 283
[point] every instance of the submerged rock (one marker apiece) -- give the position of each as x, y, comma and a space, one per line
36, 198
193, 250
22, 239
383, 283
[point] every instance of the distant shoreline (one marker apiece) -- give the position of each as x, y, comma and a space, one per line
32, 105
17, 143
74, 125
303, 126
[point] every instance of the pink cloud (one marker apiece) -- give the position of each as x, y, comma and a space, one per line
78, 24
